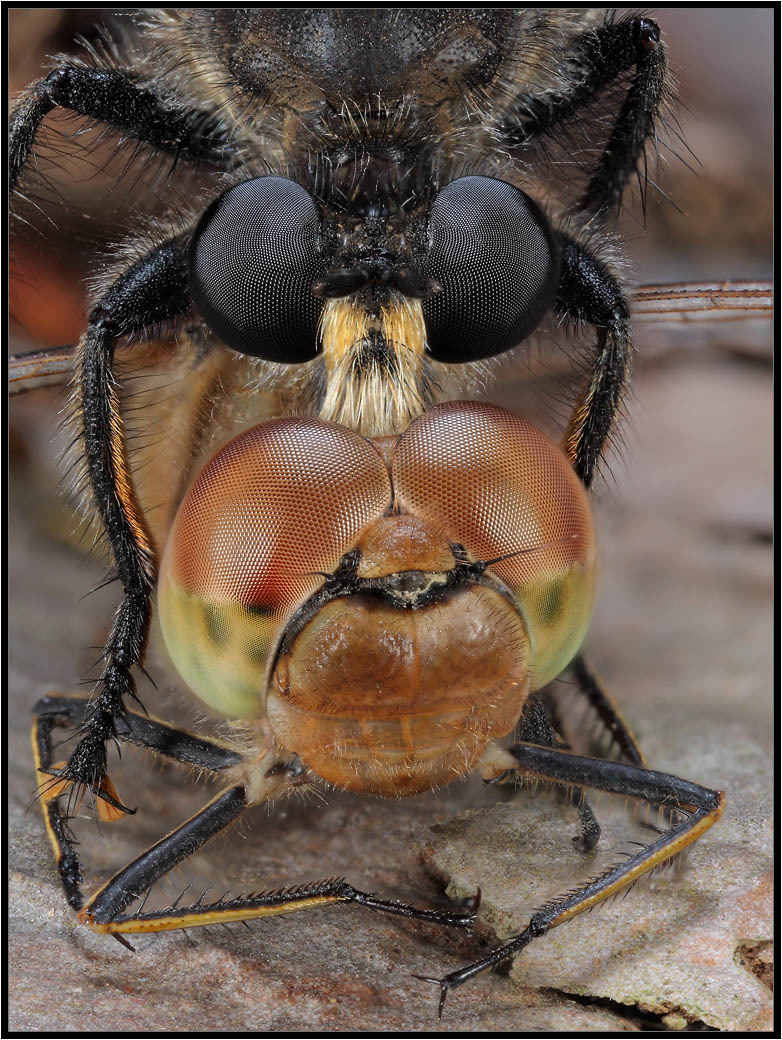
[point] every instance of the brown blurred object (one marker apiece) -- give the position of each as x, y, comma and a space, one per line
84, 193
36, 32
47, 297
716, 156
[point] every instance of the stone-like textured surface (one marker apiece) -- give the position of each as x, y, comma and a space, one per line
670, 947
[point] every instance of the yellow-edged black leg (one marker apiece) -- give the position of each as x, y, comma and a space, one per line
59, 711
694, 809
267, 777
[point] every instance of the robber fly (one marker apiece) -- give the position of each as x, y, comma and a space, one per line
377, 576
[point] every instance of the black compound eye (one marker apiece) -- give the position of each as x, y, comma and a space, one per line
253, 259
493, 253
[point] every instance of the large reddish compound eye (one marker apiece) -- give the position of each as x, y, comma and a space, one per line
503, 489
275, 509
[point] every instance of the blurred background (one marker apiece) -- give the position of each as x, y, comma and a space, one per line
722, 222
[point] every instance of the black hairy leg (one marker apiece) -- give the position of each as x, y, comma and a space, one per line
146, 295
122, 102
590, 687
589, 294
598, 58
65, 711
539, 725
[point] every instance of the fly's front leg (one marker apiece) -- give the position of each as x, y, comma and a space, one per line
589, 293
49, 791
598, 59
123, 101
693, 810
150, 292
63, 711
627, 43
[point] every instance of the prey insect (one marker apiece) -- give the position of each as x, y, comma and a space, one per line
378, 577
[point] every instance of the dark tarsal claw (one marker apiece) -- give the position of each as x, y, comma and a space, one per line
444, 985
123, 942
102, 793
